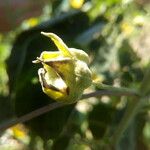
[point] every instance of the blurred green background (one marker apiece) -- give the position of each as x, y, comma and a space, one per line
115, 34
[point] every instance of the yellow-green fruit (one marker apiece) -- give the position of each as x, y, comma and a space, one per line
65, 73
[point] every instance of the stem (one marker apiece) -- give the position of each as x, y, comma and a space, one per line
132, 109
31, 115
117, 90
130, 113
50, 107
111, 91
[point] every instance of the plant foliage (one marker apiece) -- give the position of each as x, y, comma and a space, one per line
109, 31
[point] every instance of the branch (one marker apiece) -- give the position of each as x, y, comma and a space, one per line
50, 107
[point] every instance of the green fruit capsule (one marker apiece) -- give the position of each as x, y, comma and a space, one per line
65, 73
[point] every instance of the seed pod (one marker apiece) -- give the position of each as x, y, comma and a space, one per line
65, 73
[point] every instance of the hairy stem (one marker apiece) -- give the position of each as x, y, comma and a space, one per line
111, 91
106, 91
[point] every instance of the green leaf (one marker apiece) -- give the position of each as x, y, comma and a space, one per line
100, 118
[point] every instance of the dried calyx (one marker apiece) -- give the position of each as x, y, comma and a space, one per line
65, 73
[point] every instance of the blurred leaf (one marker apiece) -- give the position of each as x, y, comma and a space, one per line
88, 35
126, 55
61, 143
6, 111
145, 85
100, 118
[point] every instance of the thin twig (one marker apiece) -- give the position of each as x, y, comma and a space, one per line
31, 115
56, 105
